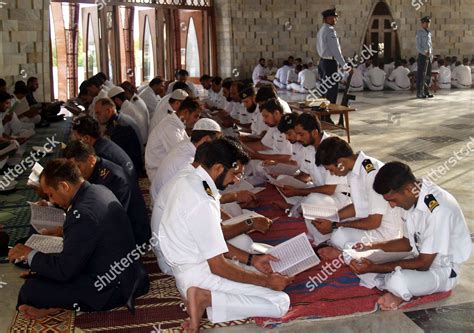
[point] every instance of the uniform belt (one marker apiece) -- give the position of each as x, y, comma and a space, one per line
347, 194
328, 58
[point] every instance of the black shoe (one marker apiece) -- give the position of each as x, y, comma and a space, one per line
429, 95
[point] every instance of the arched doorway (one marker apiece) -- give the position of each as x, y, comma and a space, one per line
382, 33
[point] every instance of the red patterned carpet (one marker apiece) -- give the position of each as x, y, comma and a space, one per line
339, 294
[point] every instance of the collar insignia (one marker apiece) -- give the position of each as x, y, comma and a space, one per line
431, 202
104, 172
207, 188
368, 166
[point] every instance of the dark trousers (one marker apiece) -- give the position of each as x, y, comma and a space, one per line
326, 69
423, 75
45, 293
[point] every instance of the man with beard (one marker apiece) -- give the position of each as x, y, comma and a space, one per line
192, 242
328, 190
258, 126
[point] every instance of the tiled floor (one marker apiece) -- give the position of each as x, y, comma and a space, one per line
388, 126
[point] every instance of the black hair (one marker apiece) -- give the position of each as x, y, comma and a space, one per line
78, 150
398, 63
86, 125
182, 72
205, 77
183, 86
392, 177
217, 80
465, 61
198, 135
30, 80
4, 96
272, 106
299, 68
286, 63
95, 81
440, 62
156, 81
60, 170
309, 122
201, 152
332, 149
189, 104
458, 63
120, 96
261, 59
227, 83
3, 83
265, 93
102, 76
287, 122
20, 88
225, 151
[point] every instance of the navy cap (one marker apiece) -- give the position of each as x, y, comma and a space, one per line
426, 19
329, 12
249, 91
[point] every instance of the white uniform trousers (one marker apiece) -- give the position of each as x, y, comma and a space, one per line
278, 84
368, 84
297, 88
337, 200
231, 300
407, 283
393, 86
458, 85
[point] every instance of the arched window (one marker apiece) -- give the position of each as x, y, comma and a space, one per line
193, 62
148, 53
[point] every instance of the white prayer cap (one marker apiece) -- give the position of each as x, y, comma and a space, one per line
179, 94
114, 91
206, 124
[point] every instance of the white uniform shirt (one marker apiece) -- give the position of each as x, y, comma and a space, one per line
102, 94
150, 99
190, 231
400, 77
364, 69
361, 179
388, 68
282, 74
444, 76
319, 175
462, 75
258, 125
140, 118
277, 142
216, 99
357, 80
307, 79
436, 224
292, 76
298, 153
259, 71
376, 77
178, 158
163, 108
162, 139
140, 105
191, 86
414, 67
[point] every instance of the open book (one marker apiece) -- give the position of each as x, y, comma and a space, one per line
243, 185
288, 181
281, 169
378, 256
295, 256
45, 217
45, 244
33, 178
312, 212
245, 216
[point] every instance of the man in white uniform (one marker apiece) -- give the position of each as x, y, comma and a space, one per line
193, 244
169, 132
138, 102
117, 95
248, 97
374, 219
357, 81
461, 75
259, 75
444, 76
281, 77
398, 79
306, 81
216, 99
293, 76
152, 93
204, 130
96, 90
375, 78
168, 104
183, 76
328, 190
435, 232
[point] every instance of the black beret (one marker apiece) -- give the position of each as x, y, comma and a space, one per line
426, 19
329, 12
248, 91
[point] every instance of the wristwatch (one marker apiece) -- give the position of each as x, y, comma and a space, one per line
334, 225
249, 222
249, 259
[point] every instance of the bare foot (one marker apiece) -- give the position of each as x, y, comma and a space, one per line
389, 302
31, 312
198, 300
329, 253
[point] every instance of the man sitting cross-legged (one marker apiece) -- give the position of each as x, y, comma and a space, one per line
191, 239
97, 235
371, 217
435, 232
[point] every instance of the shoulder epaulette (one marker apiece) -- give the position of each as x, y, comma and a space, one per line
431, 202
368, 165
207, 188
